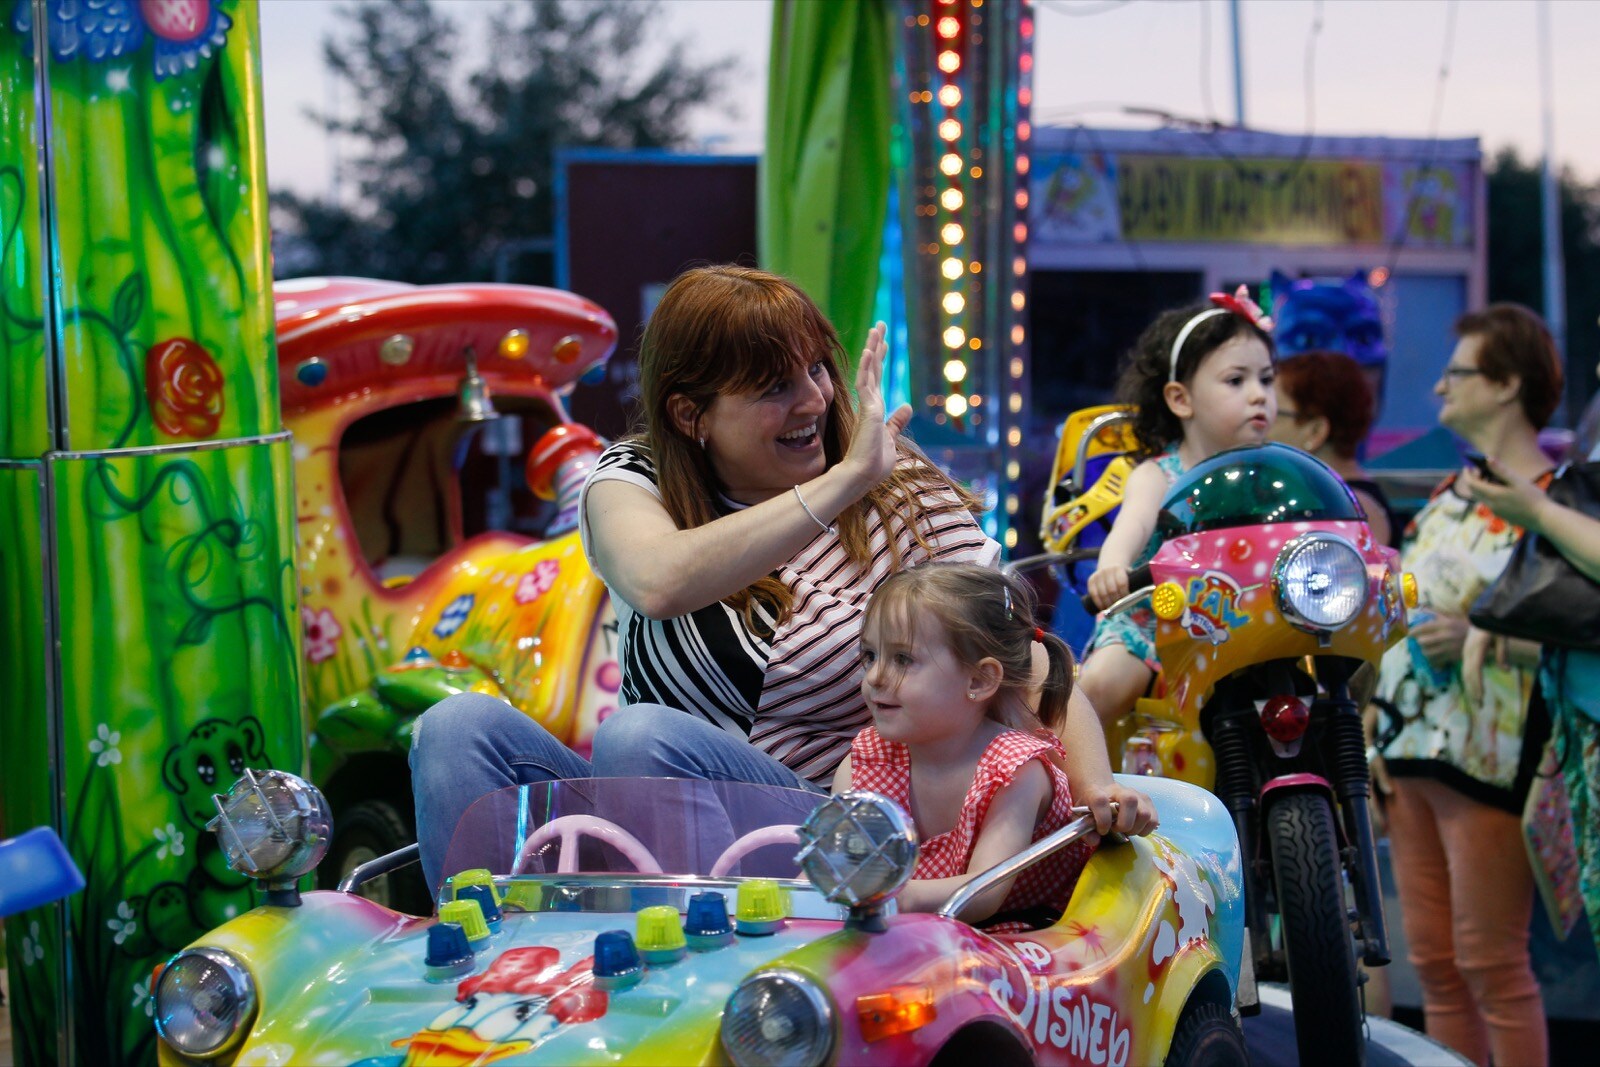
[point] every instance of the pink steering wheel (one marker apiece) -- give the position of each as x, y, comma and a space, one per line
571, 827
783, 834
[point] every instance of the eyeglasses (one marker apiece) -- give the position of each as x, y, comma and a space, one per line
1284, 413
1452, 373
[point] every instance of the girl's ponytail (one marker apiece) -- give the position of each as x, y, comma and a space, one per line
1057, 687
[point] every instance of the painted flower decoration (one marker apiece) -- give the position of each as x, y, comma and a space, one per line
451, 618
103, 746
142, 998
32, 945
124, 925
171, 839
537, 582
184, 31
184, 385
321, 631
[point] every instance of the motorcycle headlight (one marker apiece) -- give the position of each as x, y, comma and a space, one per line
857, 848
1320, 581
272, 825
777, 1019
204, 1002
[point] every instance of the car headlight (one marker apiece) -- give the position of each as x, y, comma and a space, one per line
1320, 581
777, 1019
857, 848
204, 1002
272, 826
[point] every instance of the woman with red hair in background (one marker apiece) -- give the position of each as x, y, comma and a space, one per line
1326, 406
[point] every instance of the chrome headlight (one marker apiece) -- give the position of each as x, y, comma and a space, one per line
204, 1002
857, 848
272, 826
1320, 581
777, 1019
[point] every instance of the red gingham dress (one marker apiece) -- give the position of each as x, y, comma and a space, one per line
885, 767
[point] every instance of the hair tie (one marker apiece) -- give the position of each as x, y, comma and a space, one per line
1038, 635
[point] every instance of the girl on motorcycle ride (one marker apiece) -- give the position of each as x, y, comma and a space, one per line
948, 654
1201, 381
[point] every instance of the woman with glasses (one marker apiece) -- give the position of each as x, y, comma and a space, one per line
1326, 406
1458, 767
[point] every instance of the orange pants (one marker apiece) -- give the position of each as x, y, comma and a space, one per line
1466, 896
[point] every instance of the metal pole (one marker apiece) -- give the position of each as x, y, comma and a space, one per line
1555, 297
1238, 65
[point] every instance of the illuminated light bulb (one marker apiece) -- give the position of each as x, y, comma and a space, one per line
1017, 335
1019, 266
1016, 366
975, 344
1014, 437
1022, 198
949, 27
1013, 470
1022, 164
951, 199
950, 96
1378, 277
950, 163
956, 405
976, 400
949, 62
1012, 503
1025, 96
1025, 62
954, 303
922, 20
955, 370
975, 267
955, 337
1015, 404
1026, 28
1018, 301
952, 233
1011, 537
949, 129
952, 268
1024, 130
1020, 232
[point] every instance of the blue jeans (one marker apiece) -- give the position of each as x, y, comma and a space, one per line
470, 745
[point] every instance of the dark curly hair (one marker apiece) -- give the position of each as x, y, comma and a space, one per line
1146, 366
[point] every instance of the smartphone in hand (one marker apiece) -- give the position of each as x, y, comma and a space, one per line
1481, 465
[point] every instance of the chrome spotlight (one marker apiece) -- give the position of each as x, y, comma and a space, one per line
858, 849
273, 827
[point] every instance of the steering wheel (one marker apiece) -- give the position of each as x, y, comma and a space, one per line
781, 834
571, 827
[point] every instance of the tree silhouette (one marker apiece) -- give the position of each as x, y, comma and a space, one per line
453, 167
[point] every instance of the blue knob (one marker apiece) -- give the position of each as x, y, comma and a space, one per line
484, 895
616, 960
448, 947
707, 926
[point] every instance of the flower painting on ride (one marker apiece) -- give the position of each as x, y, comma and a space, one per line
183, 32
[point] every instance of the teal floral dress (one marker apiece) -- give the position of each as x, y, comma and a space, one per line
1135, 629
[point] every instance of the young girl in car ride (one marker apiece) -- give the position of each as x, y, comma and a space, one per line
1200, 379
948, 651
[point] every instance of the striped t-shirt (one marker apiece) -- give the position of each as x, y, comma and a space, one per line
796, 694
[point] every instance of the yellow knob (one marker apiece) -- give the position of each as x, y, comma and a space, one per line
759, 907
469, 915
476, 876
1408, 589
1168, 601
658, 930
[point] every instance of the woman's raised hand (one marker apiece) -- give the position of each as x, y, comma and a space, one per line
872, 451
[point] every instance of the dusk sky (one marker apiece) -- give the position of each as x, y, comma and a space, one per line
1374, 70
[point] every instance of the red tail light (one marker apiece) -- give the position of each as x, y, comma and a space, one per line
1285, 718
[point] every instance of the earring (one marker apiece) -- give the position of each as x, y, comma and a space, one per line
702, 444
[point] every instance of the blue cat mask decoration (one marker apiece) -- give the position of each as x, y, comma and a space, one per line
1340, 316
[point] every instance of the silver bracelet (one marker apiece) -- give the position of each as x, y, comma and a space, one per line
825, 527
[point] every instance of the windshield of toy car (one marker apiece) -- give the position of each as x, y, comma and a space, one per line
1253, 487
629, 825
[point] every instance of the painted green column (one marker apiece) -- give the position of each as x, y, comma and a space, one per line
146, 534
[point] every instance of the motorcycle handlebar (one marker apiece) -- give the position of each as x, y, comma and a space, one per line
1139, 579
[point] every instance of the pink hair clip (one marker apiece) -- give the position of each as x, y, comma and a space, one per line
1241, 304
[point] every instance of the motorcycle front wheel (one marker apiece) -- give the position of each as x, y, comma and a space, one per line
1316, 932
